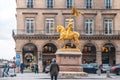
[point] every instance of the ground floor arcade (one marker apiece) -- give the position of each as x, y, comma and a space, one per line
92, 52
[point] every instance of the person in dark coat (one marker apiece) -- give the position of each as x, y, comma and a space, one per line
32, 68
44, 65
21, 67
54, 70
7, 70
99, 69
4, 71
36, 68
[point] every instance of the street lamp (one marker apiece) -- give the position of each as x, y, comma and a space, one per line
104, 49
14, 63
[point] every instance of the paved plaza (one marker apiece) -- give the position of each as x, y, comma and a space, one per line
46, 76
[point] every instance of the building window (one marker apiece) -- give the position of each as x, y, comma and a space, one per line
108, 26
30, 23
29, 3
89, 26
69, 3
49, 26
89, 4
67, 21
49, 3
108, 4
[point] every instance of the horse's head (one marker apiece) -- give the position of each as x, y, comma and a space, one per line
59, 28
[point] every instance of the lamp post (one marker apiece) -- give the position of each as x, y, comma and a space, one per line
14, 63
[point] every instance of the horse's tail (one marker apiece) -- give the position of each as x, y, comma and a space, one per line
76, 34
76, 37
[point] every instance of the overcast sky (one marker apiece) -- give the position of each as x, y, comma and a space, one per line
7, 24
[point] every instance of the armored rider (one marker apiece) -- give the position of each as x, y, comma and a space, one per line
69, 27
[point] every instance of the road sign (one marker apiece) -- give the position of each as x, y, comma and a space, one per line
18, 56
17, 62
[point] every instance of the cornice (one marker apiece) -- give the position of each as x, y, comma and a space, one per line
55, 37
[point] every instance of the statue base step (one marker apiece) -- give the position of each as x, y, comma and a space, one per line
70, 75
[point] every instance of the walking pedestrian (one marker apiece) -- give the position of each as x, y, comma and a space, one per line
4, 70
32, 68
99, 69
54, 69
7, 70
44, 65
36, 69
21, 68
108, 72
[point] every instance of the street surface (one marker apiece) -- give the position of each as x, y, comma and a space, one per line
46, 76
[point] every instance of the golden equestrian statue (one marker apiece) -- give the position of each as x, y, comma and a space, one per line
68, 34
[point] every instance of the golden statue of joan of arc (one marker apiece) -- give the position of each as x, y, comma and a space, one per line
68, 33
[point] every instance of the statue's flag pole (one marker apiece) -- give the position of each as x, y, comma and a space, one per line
75, 12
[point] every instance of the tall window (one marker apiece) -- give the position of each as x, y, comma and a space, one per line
108, 4
29, 3
89, 4
30, 23
69, 3
49, 3
67, 21
89, 26
108, 26
49, 25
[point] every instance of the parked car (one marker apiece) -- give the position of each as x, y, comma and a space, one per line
95, 65
105, 67
116, 69
90, 68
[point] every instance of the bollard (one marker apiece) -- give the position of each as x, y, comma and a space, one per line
108, 73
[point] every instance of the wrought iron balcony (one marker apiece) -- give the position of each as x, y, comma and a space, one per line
97, 34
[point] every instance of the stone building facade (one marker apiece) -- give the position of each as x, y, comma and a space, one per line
36, 36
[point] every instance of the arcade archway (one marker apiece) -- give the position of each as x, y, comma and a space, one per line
89, 53
30, 56
108, 54
48, 52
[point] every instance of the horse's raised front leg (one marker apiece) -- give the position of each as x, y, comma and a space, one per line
61, 37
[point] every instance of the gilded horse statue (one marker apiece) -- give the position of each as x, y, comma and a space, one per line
68, 34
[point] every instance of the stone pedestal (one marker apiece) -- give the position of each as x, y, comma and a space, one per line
69, 61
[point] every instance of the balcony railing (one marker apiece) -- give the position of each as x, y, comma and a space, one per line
54, 32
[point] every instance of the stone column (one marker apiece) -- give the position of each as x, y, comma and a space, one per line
98, 57
117, 57
40, 61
